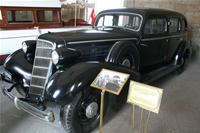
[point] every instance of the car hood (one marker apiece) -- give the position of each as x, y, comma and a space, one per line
90, 35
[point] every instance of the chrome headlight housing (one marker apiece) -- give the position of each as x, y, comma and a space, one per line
54, 57
64, 56
24, 47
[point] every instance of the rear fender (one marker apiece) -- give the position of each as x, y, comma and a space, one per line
63, 86
184, 46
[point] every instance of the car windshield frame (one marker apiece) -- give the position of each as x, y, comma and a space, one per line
117, 14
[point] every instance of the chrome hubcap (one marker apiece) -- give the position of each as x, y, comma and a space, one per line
126, 62
91, 110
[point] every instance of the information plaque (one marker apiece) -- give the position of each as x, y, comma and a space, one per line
110, 81
145, 96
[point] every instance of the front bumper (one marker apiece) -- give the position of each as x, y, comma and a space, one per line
21, 105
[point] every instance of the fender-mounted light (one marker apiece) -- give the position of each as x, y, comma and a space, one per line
64, 56
24, 47
54, 57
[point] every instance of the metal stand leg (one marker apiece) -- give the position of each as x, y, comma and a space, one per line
101, 111
141, 120
147, 122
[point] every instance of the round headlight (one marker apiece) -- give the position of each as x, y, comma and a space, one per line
24, 47
55, 57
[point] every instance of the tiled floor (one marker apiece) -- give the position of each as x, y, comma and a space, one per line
179, 112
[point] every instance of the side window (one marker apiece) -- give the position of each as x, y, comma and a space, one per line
174, 25
108, 21
47, 16
19, 16
105, 21
183, 26
129, 21
123, 20
155, 26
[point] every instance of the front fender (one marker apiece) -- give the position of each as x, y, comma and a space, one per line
19, 67
63, 86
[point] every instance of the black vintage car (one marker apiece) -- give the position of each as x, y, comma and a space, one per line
59, 67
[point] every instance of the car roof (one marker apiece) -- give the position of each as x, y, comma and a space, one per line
145, 11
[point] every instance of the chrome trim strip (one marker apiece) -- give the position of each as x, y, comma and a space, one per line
37, 86
119, 39
40, 57
38, 77
40, 67
158, 38
44, 47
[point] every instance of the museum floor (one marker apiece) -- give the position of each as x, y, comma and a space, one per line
179, 111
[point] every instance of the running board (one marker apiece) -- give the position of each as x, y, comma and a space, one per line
154, 75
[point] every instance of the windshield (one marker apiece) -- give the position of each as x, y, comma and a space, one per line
126, 20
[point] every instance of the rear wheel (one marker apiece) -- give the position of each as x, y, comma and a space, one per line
184, 61
83, 113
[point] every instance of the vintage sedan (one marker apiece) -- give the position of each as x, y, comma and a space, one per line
59, 67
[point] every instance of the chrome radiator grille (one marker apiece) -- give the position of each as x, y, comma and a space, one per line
42, 67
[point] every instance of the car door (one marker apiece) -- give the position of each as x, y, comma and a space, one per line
153, 46
175, 36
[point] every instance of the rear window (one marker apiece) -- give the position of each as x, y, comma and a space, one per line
155, 26
47, 16
19, 16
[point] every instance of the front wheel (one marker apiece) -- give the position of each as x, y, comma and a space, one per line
83, 113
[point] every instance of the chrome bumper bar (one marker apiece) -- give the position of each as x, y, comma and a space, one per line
21, 105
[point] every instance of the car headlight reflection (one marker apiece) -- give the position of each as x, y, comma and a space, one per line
24, 47
55, 57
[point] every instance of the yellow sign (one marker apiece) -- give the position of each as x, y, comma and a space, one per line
145, 96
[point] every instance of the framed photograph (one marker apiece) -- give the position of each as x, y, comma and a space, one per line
110, 81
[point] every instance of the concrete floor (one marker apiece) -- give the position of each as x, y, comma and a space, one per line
179, 111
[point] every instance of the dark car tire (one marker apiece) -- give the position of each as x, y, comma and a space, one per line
183, 65
73, 116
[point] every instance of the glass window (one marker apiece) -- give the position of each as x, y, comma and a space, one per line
129, 21
155, 26
174, 25
16, 16
47, 16
0, 15
106, 20
183, 25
